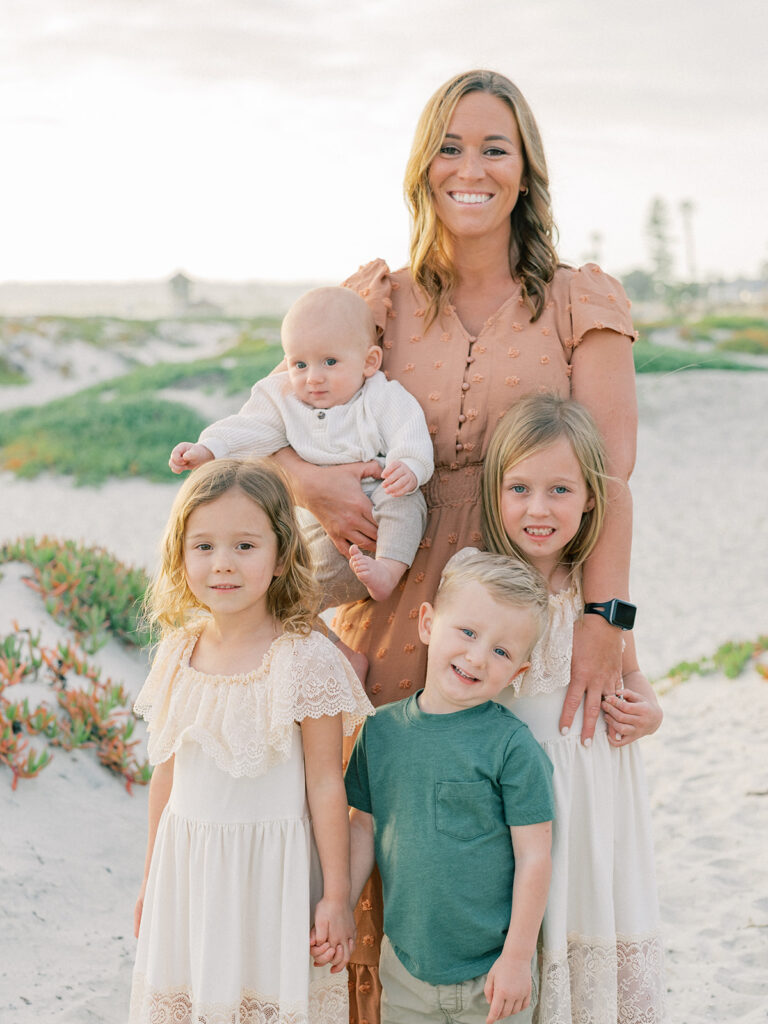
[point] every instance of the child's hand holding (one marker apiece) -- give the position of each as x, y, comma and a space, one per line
398, 479
631, 714
508, 988
189, 456
332, 939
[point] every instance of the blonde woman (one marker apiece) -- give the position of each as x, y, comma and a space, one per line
483, 315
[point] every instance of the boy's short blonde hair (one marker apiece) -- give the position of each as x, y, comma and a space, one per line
507, 580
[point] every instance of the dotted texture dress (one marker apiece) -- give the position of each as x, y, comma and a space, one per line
600, 954
464, 383
235, 876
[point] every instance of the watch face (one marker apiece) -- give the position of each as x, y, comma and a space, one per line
624, 614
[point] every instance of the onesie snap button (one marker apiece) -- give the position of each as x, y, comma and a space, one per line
465, 386
321, 414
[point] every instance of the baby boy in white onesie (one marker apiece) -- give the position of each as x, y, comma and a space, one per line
333, 405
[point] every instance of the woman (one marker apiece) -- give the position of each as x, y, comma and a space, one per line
483, 315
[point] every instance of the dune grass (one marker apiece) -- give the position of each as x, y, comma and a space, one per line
122, 428
651, 358
9, 375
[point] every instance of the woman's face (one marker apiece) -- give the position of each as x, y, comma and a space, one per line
477, 175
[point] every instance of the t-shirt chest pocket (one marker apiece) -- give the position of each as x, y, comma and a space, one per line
466, 810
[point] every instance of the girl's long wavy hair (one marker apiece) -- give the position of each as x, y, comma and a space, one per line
532, 257
532, 424
293, 596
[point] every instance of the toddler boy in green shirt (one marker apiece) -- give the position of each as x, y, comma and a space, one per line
452, 795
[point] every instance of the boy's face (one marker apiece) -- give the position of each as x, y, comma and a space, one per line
477, 646
327, 364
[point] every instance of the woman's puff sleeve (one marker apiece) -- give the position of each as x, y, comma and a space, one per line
373, 283
598, 302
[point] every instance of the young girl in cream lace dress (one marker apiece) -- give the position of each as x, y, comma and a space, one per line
244, 702
544, 496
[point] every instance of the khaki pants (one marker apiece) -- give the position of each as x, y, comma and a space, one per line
406, 1000
401, 522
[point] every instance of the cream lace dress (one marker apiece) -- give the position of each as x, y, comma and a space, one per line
234, 878
601, 953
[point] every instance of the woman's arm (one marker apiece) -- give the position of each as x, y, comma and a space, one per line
327, 798
159, 791
604, 381
334, 496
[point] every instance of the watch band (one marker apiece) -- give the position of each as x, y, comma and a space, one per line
619, 613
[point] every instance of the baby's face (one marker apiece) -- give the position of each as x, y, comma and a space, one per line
327, 366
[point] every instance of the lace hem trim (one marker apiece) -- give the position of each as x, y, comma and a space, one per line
598, 982
328, 1003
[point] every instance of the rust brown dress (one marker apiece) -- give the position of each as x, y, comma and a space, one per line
465, 384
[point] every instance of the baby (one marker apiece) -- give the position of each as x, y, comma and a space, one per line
333, 405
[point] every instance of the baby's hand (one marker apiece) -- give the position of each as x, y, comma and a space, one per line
333, 937
507, 988
189, 456
398, 479
629, 719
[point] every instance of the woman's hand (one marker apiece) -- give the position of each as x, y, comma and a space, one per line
334, 495
596, 666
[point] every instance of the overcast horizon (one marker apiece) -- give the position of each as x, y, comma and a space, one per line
266, 140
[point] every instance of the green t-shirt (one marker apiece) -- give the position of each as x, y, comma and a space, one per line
443, 791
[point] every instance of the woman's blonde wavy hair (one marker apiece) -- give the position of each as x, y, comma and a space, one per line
532, 424
293, 596
532, 257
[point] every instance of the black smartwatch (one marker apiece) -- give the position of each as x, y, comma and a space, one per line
618, 613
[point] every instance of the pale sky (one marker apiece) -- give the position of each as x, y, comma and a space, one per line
240, 139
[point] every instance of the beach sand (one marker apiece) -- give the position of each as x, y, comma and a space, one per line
72, 839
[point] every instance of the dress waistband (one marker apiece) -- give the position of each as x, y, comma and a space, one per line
453, 487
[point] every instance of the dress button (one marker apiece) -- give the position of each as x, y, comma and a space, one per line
462, 418
470, 359
465, 386
459, 446
321, 414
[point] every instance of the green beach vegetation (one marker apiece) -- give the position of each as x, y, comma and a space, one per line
67, 435
95, 597
140, 423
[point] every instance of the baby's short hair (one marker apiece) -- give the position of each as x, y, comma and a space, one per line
507, 580
345, 306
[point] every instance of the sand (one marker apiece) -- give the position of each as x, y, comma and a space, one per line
72, 840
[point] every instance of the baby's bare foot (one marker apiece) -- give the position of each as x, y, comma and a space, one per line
379, 576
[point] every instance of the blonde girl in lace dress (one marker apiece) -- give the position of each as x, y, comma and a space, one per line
544, 497
244, 703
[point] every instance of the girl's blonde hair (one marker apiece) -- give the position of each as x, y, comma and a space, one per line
293, 596
532, 424
532, 257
